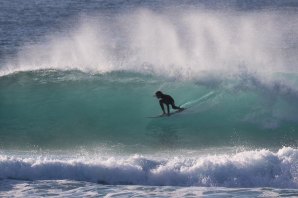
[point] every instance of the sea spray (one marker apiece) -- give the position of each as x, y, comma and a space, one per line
173, 43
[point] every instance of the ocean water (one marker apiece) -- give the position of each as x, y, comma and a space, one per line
77, 80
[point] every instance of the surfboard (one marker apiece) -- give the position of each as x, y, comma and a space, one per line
165, 115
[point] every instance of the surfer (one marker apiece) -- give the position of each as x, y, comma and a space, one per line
167, 100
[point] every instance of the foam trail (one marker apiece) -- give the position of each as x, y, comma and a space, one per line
201, 99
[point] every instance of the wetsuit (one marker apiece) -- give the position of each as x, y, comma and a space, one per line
168, 100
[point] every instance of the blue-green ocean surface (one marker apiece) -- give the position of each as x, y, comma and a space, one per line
77, 84
56, 109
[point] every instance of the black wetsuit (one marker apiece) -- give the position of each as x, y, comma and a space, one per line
168, 100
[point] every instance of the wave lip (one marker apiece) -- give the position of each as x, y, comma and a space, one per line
261, 168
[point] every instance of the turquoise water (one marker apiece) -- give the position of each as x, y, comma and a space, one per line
55, 109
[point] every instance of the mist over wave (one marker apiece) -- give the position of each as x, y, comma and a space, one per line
178, 43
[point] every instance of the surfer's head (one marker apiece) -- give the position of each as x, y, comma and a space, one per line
158, 94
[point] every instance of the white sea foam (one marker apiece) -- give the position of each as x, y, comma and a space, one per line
67, 188
259, 168
178, 43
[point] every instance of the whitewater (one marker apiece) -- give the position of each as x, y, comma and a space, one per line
77, 84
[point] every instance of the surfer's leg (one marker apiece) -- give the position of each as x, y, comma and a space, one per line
175, 107
168, 108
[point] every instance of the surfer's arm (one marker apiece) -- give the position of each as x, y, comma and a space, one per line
162, 107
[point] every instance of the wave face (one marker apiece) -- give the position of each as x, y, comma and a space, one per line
51, 108
260, 168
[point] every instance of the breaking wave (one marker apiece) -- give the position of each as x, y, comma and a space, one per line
259, 168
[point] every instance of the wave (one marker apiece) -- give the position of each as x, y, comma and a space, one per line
90, 84
259, 168
44, 108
